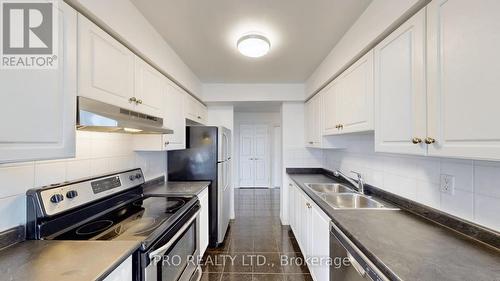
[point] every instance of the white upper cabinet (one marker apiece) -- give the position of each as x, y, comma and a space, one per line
400, 94
149, 88
194, 110
330, 124
354, 98
348, 100
105, 66
172, 111
174, 117
314, 121
38, 106
464, 78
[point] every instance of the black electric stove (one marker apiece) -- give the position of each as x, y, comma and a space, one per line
137, 220
114, 207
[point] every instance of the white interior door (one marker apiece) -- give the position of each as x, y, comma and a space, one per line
254, 156
261, 156
247, 167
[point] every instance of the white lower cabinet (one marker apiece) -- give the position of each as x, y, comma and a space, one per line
203, 197
122, 273
310, 226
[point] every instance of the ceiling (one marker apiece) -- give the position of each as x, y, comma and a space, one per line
204, 34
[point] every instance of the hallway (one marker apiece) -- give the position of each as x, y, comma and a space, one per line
257, 246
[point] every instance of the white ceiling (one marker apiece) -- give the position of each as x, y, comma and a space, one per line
204, 35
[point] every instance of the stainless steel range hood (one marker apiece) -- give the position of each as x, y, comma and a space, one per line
97, 116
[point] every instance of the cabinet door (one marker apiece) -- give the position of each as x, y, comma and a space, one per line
329, 110
291, 206
203, 113
400, 94
308, 123
317, 119
194, 111
122, 273
174, 117
298, 216
149, 88
320, 242
105, 67
203, 221
38, 107
354, 102
463, 78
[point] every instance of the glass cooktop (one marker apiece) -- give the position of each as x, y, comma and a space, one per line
135, 221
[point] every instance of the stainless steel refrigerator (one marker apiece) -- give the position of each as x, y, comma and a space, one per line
207, 157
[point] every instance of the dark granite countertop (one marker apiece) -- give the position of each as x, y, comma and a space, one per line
45, 260
176, 187
409, 247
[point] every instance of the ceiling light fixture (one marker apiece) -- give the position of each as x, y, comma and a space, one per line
253, 45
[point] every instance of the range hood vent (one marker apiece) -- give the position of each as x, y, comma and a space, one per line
98, 116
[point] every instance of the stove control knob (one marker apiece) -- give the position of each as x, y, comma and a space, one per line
56, 198
131, 177
71, 194
138, 176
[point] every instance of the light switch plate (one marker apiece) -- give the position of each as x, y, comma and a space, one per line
447, 184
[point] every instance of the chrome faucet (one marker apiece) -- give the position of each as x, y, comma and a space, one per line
360, 184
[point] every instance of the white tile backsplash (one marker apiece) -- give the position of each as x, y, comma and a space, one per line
96, 153
477, 183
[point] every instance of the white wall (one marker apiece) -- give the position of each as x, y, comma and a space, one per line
126, 22
252, 92
477, 192
272, 119
377, 18
223, 115
96, 153
294, 154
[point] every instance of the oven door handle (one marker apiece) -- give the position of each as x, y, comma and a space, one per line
174, 238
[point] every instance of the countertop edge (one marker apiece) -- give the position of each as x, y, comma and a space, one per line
118, 262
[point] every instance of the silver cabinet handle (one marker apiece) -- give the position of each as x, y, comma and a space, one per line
308, 205
132, 99
139, 101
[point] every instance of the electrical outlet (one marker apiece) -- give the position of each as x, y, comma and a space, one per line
447, 184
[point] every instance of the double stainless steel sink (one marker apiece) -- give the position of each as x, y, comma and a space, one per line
340, 196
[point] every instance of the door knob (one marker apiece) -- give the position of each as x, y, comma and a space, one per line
429, 140
416, 140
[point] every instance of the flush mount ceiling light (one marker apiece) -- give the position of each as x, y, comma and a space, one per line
253, 45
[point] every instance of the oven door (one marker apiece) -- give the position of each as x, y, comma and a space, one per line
177, 260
